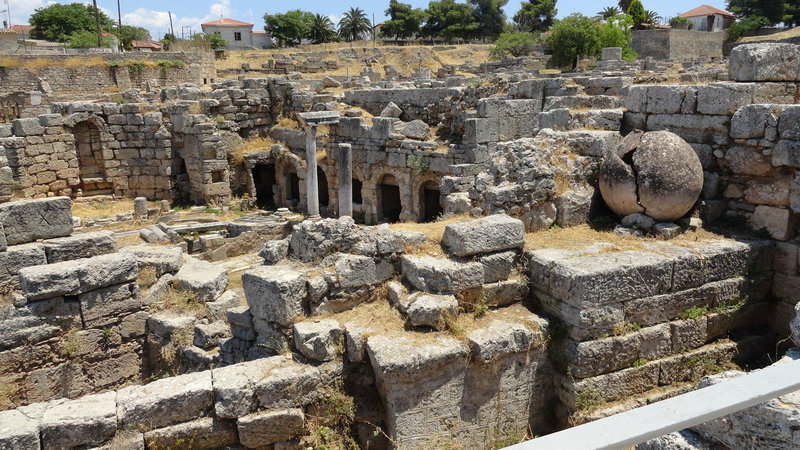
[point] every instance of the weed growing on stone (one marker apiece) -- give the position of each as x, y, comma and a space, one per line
639, 362
184, 302
626, 328
330, 422
588, 398
418, 163
694, 312
147, 277
71, 345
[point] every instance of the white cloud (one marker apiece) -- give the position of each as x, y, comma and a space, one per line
157, 22
21, 10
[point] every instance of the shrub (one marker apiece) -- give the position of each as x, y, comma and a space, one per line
216, 41
616, 33
681, 23
513, 44
574, 36
746, 27
86, 39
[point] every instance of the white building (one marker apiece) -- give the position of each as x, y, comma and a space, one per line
238, 34
708, 18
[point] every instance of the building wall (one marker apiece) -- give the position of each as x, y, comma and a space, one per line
678, 45
261, 40
228, 33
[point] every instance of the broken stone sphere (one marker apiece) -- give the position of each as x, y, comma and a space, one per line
656, 173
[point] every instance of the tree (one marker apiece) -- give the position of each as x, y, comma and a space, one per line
59, 22
449, 20
127, 34
536, 15
289, 27
746, 26
651, 17
354, 24
775, 11
404, 20
616, 32
321, 29
609, 12
490, 16
636, 11
215, 41
681, 23
572, 37
624, 5
513, 44
87, 39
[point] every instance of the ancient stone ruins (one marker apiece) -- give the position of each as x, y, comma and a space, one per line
383, 261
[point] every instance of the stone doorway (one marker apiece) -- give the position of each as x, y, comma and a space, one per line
91, 164
264, 181
322, 188
389, 206
430, 208
293, 189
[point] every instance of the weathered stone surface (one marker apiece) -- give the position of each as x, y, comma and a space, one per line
485, 235
83, 245
28, 220
165, 402
270, 427
679, 440
391, 110
77, 276
107, 305
441, 276
312, 241
18, 431
416, 129
764, 62
274, 251
500, 338
161, 258
320, 340
87, 421
432, 310
778, 222
275, 294
205, 279
15, 258
497, 266
204, 433
219, 307
355, 270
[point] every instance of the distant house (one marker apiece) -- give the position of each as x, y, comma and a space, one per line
237, 34
23, 31
147, 46
708, 18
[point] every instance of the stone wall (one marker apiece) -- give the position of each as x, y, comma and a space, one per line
427, 104
95, 74
677, 45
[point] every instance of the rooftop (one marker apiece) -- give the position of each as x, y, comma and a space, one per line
225, 22
705, 10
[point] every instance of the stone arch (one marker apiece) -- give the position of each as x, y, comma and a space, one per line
429, 201
323, 187
390, 203
290, 175
374, 203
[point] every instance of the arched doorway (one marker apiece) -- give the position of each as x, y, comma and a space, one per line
293, 188
430, 207
357, 186
91, 164
264, 180
322, 187
389, 204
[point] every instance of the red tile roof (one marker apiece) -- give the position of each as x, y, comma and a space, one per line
259, 32
147, 44
23, 29
705, 10
227, 23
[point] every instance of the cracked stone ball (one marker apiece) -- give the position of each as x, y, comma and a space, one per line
656, 173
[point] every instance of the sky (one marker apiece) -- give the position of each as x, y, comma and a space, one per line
152, 14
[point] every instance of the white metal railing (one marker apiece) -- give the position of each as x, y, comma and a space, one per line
677, 413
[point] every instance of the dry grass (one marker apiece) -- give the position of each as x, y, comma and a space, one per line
379, 316
87, 209
286, 122
147, 277
582, 236
794, 32
251, 146
433, 231
84, 62
184, 302
128, 240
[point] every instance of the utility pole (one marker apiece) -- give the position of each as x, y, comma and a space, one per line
119, 16
171, 29
97, 23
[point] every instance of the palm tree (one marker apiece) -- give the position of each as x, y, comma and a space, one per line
624, 5
354, 23
652, 17
609, 12
321, 29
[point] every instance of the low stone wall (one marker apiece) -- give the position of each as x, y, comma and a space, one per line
427, 104
678, 45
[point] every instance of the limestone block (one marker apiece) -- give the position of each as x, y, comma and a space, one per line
506, 292
165, 323
218, 308
81, 245
165, 402
87, 421
107, 305
391, 110
27, 127
500, 338
270, 427
764, 62
18, 431
205, 279
208, 336
416, 129
161, 258
77, 276
320, 340
688, 334
441, 276
723, 98
274, 251
17, 257
786, 153
241, 323
485, 235
752, 121
432, 311
611, 54
355, 270
497, 266
28, 220
276, 293
789, 124
204, 433
778, 222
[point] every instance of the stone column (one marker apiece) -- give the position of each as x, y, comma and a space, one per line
140, 209
312, 189
345, 175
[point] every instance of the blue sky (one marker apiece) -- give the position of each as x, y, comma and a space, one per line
152, 14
